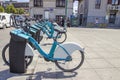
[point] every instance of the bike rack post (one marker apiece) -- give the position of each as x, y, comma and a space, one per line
17, 54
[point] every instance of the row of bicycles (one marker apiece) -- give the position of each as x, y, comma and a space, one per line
68, 56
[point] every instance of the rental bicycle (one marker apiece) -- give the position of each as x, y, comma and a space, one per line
49, 29
35, 33
67, 56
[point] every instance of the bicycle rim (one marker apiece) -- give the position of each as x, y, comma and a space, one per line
61, 37
28, 59
5, 56
70, 66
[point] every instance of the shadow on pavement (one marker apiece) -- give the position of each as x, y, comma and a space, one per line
5, 75
52, 75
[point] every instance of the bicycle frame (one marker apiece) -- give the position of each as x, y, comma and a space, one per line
48, 56
47, 28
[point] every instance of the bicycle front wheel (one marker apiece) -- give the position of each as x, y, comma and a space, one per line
70, 66
5, 56
61, 37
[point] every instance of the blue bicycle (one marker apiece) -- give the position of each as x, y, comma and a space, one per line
34, 31
51, 30
67, 56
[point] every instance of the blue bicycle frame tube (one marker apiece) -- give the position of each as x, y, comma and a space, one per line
34, 42
49, 56
47, 28
35, 27
52, 50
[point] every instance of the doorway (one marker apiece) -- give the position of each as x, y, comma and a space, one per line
47, 16
112, 18
81, 19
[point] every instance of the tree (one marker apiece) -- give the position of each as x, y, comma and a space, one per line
17, 11
1, 9
10, 9
21, 11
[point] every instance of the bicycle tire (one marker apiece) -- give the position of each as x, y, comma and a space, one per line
63, 36
3, 54
28, 59
39, 37
62, 66
7, 62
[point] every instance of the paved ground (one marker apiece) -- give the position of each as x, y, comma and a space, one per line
102, 57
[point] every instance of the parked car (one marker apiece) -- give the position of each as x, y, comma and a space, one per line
5, 20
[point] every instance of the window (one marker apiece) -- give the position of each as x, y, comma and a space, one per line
38, 16
97, 4
38, 3
114, 2
60, 3
112, 18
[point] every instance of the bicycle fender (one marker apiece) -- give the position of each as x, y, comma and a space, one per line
29, 50
70, 47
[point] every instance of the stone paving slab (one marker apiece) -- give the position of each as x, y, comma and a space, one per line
102, 58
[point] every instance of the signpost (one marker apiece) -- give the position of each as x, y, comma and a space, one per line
65, 22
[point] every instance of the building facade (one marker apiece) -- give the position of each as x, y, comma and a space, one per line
5, 3
24, 5
21, 4
107, 12
90, 12
1, 2
50, 9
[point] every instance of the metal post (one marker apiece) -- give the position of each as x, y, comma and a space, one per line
65, 22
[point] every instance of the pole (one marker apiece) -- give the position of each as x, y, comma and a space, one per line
65, 22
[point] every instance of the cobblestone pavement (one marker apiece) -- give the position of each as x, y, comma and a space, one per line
102, 57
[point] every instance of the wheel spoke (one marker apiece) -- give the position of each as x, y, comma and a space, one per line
75, 63
5, 56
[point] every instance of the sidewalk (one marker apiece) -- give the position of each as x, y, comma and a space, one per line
102, 58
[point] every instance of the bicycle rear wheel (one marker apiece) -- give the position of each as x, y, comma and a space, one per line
5, 56
70, 66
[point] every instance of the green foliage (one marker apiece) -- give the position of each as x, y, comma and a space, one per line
1, 9
10, 9
100, 25
90, 25
103, 25
17, 11
20, 11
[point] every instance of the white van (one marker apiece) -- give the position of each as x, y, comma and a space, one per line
5, 20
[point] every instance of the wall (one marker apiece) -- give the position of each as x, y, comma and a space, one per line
97, 13
50, 4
